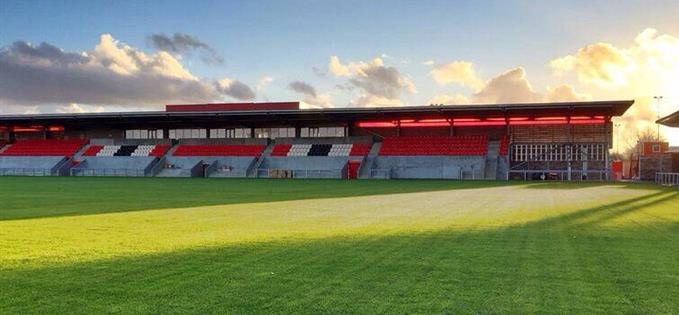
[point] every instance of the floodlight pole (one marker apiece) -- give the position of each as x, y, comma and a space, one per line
658, 100
617, 135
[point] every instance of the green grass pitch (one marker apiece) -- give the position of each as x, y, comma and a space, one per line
134, 246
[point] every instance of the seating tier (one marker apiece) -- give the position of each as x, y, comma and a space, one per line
281, 149
435, 145
338, 149
156, 150
219, 150
359, 149
504, 146
44, 147
92, 150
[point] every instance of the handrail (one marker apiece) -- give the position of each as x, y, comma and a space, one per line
197, 170
256, 162
107, 172
156, 167
667, 178
302, 173
602, 173
25, 171
61, 169
212, 168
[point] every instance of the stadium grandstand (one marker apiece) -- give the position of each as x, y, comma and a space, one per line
565, 141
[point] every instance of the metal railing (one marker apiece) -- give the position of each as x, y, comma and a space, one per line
398, 172
317, 173
217, 169
264, 172
380, 173
562, 174
22, 171
157, 167
106, 172
667, 179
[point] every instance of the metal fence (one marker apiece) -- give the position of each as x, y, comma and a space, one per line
380, 173
667, 179
107, 172
264, 172
26, 172
226, 173
559, 174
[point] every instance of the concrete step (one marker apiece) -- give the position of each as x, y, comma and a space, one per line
2, 149
369, 160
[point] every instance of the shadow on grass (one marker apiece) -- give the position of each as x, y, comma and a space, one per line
589, 184
556, 265
30, 197
604, 213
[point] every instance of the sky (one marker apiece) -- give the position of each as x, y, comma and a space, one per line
82, 56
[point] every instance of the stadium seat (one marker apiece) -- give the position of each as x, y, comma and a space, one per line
92, 150
338, 149
281, 149
44, 147
359, 149
504, 146
156, 150
159, 150
435, 145
219, 150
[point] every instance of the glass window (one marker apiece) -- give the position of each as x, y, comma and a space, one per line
187, 133
316, 132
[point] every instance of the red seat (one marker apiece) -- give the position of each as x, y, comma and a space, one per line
159, 150
358, 149
44, 147
504, 146
435, 145
281, 149
219, 150
92, 150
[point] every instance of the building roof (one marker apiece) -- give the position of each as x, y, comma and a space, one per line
671, 120
323, 115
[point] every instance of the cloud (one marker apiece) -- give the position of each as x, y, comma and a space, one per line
78, 108
337, 68
312, 99
639, 118
263, 82
599, 63
508, 87
374, 101
112, 74
461, 72
377, 83
181, 43
565, 93
457, 99
649, 65
302, 87
319, 71
235, 89
320, 101
511, 86
50, 108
